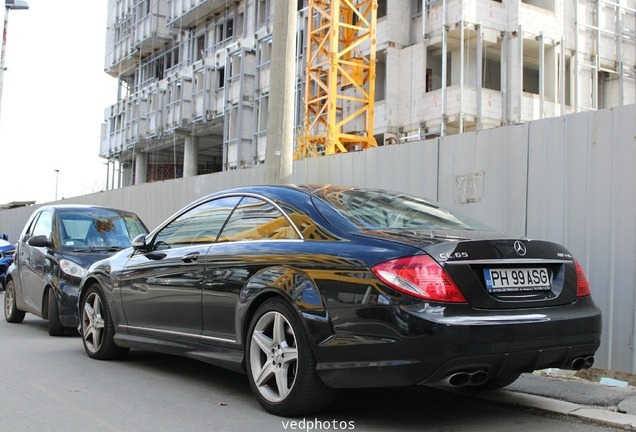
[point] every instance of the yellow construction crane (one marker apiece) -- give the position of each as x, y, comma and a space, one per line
340, 79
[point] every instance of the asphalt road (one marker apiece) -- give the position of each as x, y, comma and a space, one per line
49, 384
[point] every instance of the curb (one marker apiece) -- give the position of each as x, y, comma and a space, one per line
596, 415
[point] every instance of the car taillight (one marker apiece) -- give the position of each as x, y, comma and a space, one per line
419, 276
582, 285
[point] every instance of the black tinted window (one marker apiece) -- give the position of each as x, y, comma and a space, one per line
198, 225
255, 219
379, 209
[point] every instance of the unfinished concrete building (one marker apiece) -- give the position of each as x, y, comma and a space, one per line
194, 74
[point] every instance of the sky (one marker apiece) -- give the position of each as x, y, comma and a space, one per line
54, 95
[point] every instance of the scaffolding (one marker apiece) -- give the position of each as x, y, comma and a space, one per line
603, 51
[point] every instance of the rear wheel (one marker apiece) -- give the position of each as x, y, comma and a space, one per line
280, 364
55, 325
11, 312
497, 383
97, 327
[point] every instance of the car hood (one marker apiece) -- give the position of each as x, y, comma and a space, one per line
5, 245
87, 258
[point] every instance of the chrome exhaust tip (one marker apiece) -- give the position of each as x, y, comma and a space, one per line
459, 379
463, 379
478, 378
580, 363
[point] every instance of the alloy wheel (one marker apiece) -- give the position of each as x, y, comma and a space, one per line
274, 356
92, 323
9, 300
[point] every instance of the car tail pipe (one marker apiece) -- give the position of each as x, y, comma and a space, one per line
463, 379
579, 363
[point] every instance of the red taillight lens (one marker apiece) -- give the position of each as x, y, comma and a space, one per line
419, 276
582, 285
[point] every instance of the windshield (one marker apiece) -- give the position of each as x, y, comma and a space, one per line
94, 229
379, 209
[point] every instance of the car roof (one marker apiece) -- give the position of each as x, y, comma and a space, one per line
82, 207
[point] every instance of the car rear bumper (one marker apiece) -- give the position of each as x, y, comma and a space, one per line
424, 343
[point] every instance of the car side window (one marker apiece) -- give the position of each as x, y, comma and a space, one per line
44, 225
255, 219
196, 226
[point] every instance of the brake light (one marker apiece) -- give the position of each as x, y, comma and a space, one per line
419, 276
582, 285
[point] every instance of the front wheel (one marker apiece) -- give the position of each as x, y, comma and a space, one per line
55, 324
97, 327
280, 364
11, 312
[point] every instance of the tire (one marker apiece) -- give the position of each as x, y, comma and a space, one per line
55, 325
11, 312
97, 327
497, 383
283, 386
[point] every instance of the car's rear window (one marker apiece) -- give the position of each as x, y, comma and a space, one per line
380, 209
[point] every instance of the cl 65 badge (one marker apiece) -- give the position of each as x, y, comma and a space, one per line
453, 255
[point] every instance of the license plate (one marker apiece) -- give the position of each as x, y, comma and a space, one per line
517, 279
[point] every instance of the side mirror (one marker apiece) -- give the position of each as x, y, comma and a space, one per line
139, 243
39, 241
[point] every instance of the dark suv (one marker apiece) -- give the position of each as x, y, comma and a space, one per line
55, 249
6, 258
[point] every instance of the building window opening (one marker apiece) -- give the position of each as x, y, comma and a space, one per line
435, 69
220, 72
380, 80
200, 48
229, 28
381, 9
263, 12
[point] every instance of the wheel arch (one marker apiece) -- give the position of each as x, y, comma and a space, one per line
86, 284
45, 299
287, 283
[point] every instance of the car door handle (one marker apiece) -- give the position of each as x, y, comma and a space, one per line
191, 257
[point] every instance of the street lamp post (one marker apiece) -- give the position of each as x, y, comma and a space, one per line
57, 174
8, 5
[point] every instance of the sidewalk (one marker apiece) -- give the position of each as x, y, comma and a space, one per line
600, 403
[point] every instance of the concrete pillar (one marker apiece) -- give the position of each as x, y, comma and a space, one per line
191, 156
126, 173
280, 123
141, 167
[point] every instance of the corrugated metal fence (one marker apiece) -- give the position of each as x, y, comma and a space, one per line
568, 179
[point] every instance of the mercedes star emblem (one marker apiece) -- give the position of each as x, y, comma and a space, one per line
520, 248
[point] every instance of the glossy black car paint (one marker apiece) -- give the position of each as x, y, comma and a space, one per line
198, 302
36, 272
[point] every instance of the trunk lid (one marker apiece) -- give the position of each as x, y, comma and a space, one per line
494, 271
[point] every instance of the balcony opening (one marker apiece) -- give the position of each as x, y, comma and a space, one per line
543, 4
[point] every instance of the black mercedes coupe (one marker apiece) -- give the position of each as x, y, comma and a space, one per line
312, 288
